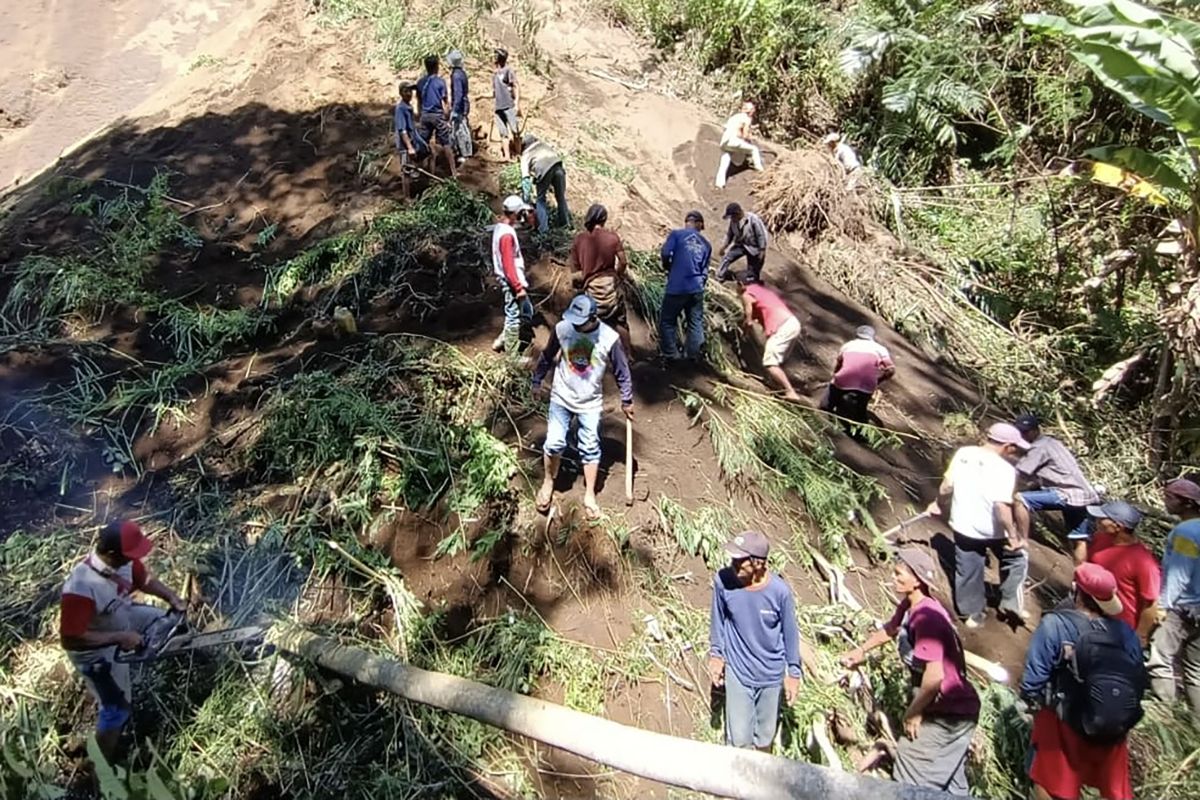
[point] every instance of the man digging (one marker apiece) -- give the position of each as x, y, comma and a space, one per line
754, 643
99, 617
944, 709
746, 238
779, 324
978, 492
584, 348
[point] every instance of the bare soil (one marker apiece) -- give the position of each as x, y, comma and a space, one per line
283, 129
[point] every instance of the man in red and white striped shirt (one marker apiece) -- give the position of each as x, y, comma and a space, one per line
99, 617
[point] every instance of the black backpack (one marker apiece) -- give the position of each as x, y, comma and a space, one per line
1098, 684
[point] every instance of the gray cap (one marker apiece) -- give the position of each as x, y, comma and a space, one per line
455, 58
1119, 512
748, 544
528, 139
865, 332
921, 564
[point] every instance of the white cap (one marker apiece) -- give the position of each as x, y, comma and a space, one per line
513, 203
831, 138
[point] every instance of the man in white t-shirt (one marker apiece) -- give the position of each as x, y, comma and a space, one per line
736, 145
862, 364
978, 490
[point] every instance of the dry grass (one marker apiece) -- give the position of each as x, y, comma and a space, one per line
806, 192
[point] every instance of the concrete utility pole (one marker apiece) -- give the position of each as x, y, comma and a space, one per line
699, 766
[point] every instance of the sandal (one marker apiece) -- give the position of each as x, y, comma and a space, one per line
592, 513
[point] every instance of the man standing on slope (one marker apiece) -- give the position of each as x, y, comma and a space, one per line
460, 107
435, 113
763, 305
1176, 643
1116, 548
944, 710
1081, 653
1056, 483
589, 348
542, 167
978, 490
409, 143
736, 145
504, 92
685, 256
599, 255
746, 236
99, 617
508, 265
754, 643
862, 364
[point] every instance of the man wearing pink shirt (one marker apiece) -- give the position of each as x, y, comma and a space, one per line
764, 306
862, 364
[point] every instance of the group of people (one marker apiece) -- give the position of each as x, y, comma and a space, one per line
1085, 669
737, 148
432, 122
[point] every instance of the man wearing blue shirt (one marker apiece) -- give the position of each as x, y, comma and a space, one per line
1176, 642
411, 146
435, 112
460, 107
754, 643
685, 256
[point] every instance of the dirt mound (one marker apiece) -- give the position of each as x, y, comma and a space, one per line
807, 192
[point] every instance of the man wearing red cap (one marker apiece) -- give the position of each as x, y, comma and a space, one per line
754, 643
99, 617
1175, 647
941, 717
1079, 653
978, 491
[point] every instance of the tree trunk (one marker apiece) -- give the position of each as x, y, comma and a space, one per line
699, 766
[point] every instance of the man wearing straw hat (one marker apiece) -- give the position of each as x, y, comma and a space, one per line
944, 709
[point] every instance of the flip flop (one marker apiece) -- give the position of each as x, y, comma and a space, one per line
592, 513
543, 502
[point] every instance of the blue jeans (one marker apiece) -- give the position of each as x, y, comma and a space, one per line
518, 316
751, 715
1075, 518
559, 422
668, 322
555, 179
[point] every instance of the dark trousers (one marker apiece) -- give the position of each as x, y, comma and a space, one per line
555, 180
754, 264
970, 561
848, 403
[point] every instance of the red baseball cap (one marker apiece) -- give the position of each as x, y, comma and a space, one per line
1182, 487
125, 538
1100, 585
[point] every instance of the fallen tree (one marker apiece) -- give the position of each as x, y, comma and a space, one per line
699, 766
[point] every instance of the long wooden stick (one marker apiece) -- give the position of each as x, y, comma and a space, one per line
628, 461
699, 766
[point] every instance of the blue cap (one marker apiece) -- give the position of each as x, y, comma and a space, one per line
582, 309
1119, 512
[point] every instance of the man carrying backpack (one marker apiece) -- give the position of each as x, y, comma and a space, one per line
1084, 675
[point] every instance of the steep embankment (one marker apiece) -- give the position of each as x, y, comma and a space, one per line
249, 440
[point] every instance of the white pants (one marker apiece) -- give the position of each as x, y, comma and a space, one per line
735, 151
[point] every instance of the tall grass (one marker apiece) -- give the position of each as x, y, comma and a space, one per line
403, 36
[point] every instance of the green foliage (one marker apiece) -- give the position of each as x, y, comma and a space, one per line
386, 244
402, 40
778, 448
702, 532
134, 231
